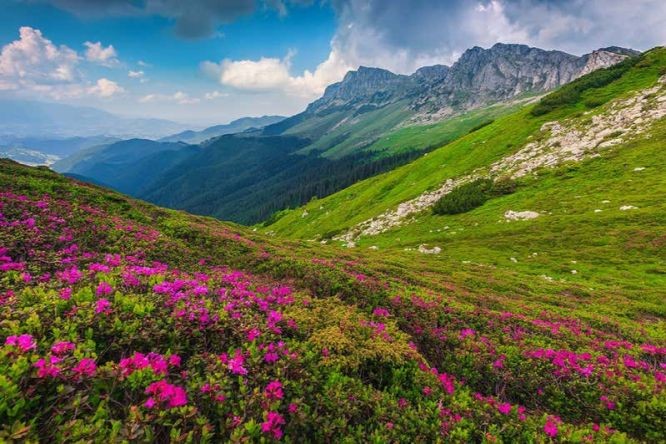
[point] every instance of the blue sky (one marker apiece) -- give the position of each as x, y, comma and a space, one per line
209, 61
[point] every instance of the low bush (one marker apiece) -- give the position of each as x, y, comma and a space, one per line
472, 195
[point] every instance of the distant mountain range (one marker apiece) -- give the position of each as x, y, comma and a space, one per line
371, 121
26, 118
236, 126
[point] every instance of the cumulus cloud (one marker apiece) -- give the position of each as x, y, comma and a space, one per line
97, 53
34, 60
273, 74
178, 97
34, 65
105, 88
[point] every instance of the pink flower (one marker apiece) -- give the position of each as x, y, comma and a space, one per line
236, 364
85, 367
504, 408
103, 306
381, 312
24, 342
447, 383
174, 360
550, 428
427, 391
272, 424
62, 347
70, 276
610, 405
166, 394
467, 332
47, 368
66, 294
271, 357
273, 390
293, 408
499, 362
104, 289
253, 334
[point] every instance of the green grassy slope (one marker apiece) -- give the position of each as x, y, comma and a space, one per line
506, 135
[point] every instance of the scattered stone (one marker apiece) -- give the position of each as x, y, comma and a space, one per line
597, 210
548, 278
374, 247
639, 168
605, 201
514, 260
520, 215
574, 272
628, 207
425, 250
305, 213
350, 244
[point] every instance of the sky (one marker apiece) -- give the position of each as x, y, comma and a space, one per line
205, 62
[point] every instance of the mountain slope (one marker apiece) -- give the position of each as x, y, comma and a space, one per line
381, 197
158, 325
129, 165
364, 125
236, 126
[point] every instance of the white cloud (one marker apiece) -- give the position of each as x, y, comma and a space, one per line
96, 53
34, 65
105, 88
34, 62
135, 74
212, 95
178, 97
273, 74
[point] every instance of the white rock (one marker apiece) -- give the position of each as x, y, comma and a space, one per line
514, 260
520, 215
628, 207
574, 272
425, 250
605, 201
374, 247
597, 210
639, 168
305, 213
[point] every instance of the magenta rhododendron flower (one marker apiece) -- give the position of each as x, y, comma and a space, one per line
236, 363
70, 276
165, 394
253, 334
85, 367
48, 367
292, 408
66, 294
504, 408
62, 347
465, 332
272, 425
24, 342
104, 289
273, 390
102, 306
550, 428
381, 312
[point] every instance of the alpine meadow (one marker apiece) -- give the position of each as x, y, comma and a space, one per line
345, 221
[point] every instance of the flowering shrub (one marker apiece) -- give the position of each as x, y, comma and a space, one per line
112, 328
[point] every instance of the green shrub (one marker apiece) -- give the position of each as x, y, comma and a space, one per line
472, 195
